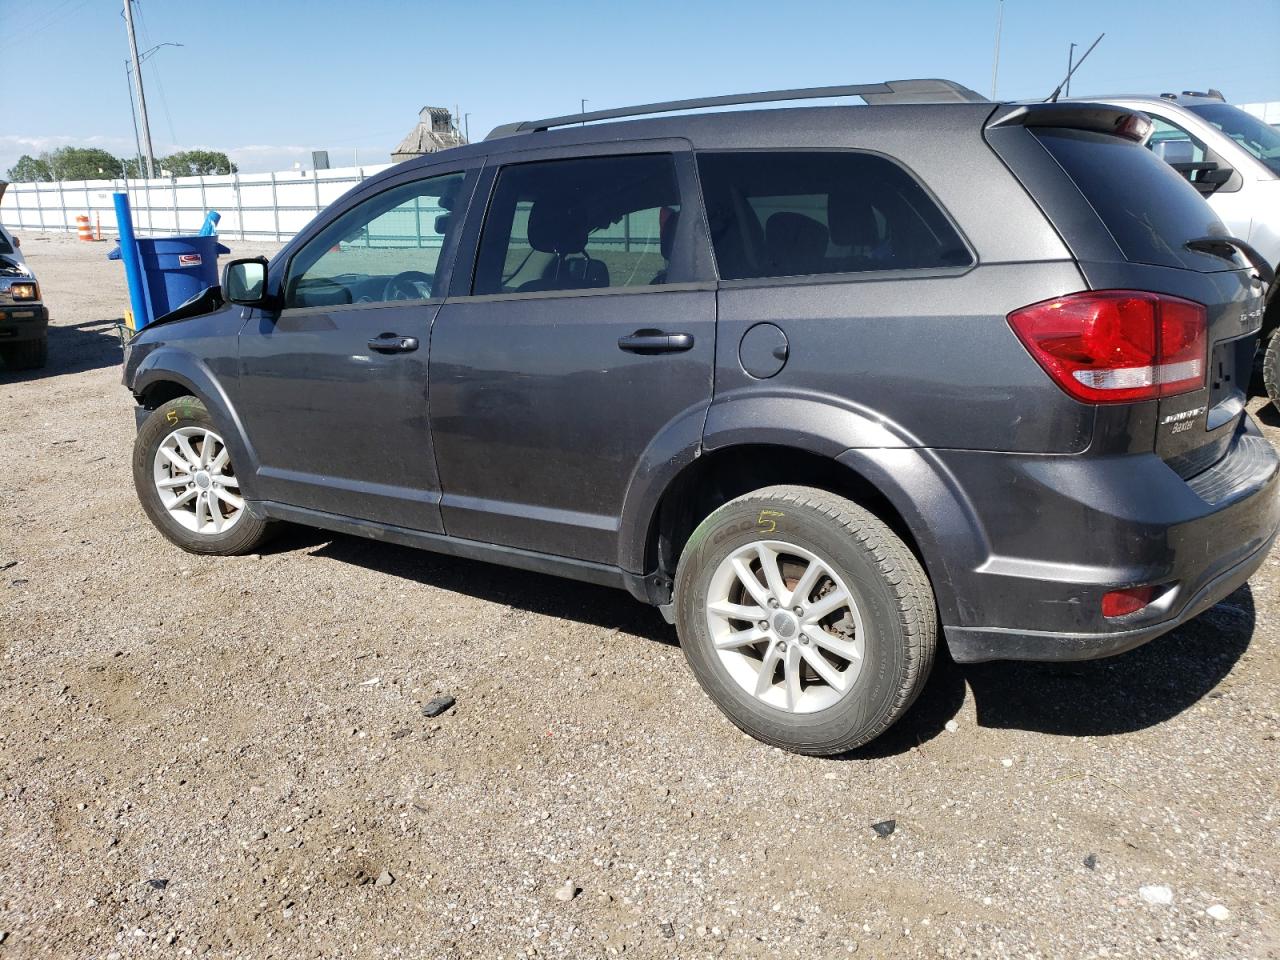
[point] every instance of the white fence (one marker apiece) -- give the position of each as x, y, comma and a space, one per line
255, 206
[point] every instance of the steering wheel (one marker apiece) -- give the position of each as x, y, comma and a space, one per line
403, 286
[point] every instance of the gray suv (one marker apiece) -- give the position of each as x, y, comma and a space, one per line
818, 382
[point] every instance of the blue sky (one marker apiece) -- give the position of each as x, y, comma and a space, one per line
269, 81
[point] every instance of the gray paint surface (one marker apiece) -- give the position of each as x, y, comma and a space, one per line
521, 432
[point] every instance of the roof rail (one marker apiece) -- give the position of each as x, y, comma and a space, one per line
891, 91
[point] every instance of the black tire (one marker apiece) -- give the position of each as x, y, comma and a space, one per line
244, 536
1271, 370
894, 599
27, 355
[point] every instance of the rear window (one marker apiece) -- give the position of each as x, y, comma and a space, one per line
785, 214
4, 243
1148, 207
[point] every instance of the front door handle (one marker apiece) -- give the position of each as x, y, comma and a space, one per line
656, 341
393, 343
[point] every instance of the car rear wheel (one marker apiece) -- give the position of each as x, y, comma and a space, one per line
805, 618
27, 355
188, 485
1271, 370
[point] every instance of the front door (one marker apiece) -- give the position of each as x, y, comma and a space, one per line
583, 343
333, 386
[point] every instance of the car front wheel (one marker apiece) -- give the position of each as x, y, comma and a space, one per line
805, 618
187, 483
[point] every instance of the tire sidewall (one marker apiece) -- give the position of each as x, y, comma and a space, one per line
1271, 369
861, 711
164, 420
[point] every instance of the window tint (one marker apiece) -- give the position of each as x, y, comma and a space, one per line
580, 224
384, 249
790, 214
1149, 208
1256, 136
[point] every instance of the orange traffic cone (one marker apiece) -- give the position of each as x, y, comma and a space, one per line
82, 227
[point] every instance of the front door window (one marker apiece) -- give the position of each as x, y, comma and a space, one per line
383, 250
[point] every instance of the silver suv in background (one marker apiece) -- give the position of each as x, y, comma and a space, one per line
1233, 159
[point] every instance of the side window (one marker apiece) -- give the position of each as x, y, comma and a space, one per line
384, 249
1172, 144
579, 224
784, 214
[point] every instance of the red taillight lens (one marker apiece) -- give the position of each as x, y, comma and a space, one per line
1117, 346
1118, 603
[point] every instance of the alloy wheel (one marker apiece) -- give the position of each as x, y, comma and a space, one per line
196, 482
785, 626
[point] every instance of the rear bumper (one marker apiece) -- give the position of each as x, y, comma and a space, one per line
977, 644
1063, 531
19, 323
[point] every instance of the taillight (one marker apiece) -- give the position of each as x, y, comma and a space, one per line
1117, 346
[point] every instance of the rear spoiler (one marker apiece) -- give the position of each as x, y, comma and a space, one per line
1098, 117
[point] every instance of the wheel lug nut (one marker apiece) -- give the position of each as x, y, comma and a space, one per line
799, 611
773, 602
764, 624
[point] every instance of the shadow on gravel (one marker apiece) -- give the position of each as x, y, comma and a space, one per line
939, 701
1121, 694
534, 592
1135, 690
1269, 415
74, 349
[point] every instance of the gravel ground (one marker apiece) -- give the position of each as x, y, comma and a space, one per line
229, 757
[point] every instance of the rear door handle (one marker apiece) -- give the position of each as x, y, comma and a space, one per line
656, 341
392, 343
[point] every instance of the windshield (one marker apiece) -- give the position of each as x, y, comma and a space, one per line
1260, 139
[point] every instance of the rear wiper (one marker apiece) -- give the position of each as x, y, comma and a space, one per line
1227, 247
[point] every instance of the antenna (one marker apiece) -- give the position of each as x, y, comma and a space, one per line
1053, 97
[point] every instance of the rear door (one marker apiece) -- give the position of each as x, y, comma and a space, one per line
1136, 224
581, 351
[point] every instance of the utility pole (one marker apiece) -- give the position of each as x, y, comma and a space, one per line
995, 66
466, 123
1071, 57
133, 115
137, 79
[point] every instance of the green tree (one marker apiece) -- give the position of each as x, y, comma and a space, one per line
29, 169
81, 163
197, 163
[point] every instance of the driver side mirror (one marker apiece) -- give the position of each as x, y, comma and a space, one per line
245, 282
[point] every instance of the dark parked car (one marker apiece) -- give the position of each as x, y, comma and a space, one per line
24, 319
815, 381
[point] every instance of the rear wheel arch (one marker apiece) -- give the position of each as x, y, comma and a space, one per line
719, 476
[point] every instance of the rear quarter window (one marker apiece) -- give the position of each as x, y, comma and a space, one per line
1146, 205
794, 213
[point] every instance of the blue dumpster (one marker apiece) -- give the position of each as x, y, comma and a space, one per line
175, 269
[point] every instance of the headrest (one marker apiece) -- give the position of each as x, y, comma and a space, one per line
556, 227
667, 231
792, 238
852, 219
